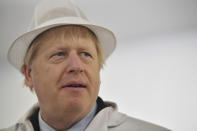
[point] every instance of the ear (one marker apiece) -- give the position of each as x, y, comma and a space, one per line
28, 76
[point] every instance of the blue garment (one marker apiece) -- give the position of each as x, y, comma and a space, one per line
79, 126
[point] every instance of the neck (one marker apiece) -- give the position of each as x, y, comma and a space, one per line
67, 120
63, 122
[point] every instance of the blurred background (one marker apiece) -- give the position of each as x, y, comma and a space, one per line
152, 74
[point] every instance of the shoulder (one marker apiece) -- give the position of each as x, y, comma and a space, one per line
12, 128
120, 121
123, 122
140, 125
24, 124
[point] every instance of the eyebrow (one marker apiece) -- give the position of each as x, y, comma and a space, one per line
57, 48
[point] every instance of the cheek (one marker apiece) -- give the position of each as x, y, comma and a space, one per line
45, 83
95, 78
96, 85
43, 77
96, 73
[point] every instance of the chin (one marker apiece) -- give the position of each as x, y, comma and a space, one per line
74, 102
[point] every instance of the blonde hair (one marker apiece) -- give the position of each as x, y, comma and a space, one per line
73, 31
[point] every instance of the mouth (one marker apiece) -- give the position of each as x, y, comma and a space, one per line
74, 85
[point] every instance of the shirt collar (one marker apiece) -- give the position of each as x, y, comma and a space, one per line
79, 126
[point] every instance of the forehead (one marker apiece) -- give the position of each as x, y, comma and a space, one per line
67, 35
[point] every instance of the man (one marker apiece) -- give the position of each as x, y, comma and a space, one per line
61, 57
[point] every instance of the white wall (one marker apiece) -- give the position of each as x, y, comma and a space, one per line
155, 79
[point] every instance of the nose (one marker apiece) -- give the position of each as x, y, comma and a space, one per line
75, 64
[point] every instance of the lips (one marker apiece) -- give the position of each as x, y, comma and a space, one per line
74, 84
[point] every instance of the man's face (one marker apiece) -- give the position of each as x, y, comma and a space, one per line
65, 74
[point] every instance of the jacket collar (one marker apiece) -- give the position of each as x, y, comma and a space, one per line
107, 117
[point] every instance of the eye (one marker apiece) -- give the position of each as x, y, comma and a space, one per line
86, 54
58, 54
